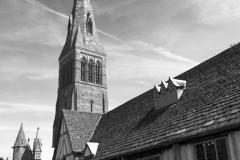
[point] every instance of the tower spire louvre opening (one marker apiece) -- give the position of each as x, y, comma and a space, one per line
89, 25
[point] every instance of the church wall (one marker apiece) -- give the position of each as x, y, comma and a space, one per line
66, 98
86, 93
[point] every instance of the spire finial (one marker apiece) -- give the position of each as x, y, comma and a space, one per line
37, 132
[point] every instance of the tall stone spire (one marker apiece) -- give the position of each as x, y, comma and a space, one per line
82, 30
19, 145
82, 67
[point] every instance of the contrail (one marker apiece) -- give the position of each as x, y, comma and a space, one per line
109, 35
42, 6
158, 50
168, 54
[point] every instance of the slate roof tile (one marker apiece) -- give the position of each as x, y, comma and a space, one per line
80, 127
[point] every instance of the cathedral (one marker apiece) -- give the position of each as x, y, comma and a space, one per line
193, 116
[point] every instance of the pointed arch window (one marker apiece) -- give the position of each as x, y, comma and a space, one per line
90, 71
98, 71
83, 68
89, 25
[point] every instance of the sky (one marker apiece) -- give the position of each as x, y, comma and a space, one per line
146, 42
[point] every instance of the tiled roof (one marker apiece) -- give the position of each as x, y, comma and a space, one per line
210, 103
80, 126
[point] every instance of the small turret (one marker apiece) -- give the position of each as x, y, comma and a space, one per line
37, 147
19, 145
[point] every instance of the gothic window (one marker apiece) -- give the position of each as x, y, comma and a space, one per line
89, 25
90, 71
98, 70
83, 68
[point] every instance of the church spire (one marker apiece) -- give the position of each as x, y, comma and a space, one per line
82, 32
19, 145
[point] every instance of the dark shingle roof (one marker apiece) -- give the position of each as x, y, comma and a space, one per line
80, 126
210, 103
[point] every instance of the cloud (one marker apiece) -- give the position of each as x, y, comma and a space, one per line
135, 43
28, 129
217, 11
8, 107
141, 44
168, 54
137, 68
26, 26
111, 36
161, 51
143, 83
42, 6
22, 69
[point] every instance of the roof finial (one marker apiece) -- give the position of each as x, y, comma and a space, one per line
37, 132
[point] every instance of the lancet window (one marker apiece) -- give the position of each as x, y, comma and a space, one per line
89, 25
83, 68
98, 71
90, 71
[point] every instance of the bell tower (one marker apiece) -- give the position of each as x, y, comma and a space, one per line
82, 67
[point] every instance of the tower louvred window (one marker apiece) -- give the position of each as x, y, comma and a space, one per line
83, 62
90, 71
89, 25
98, 70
